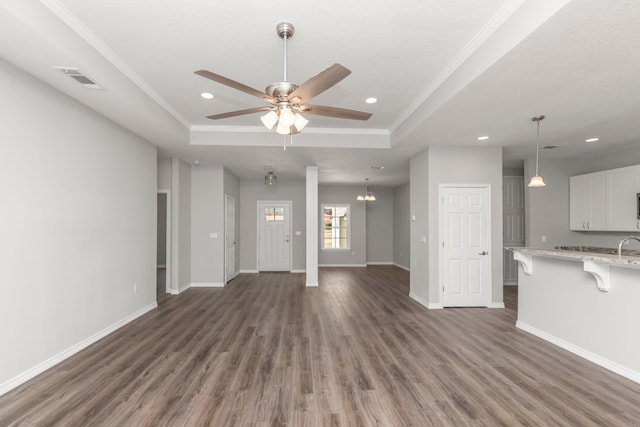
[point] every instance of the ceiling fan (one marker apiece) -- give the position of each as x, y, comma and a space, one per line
288, 100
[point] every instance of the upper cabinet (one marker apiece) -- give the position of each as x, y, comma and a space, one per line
623, 186
587, 202
605, 201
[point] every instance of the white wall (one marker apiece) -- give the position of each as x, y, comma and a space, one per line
419, 226
253, 190
379, 221
401, 226
78, 226
207, 219
357, 254
164, 173
180, 225
547, 208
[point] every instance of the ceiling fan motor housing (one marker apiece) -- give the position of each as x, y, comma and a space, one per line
280, 90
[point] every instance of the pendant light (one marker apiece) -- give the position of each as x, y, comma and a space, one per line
270, 179
367, 196
536, 181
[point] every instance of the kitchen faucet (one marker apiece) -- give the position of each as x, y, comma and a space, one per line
623, 241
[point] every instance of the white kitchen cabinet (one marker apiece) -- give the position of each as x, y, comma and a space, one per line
622, 186
587, 209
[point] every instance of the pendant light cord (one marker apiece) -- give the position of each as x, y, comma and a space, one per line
537, 146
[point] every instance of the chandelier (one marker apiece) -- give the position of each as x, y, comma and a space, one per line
367, 196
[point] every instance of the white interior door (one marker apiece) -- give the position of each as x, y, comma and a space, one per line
229, 238
466, 266
274, 236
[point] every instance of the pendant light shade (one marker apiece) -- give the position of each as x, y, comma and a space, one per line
300, 122
269, 119
537, 181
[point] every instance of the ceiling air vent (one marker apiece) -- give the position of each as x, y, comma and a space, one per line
76, 75
551, 147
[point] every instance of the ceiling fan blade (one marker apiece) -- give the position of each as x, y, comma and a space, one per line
236, 85
319, 83
341, 113
237, 113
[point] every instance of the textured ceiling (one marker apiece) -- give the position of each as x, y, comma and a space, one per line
445, 72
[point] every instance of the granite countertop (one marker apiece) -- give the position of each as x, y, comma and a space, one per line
629, 257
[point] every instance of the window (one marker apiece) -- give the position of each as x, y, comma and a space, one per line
273, 214
335, 227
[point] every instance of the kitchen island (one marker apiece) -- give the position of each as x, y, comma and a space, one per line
585, 302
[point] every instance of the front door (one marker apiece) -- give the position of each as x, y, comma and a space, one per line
274, 236
466, 240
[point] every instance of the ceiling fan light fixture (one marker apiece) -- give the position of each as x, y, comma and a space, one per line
283, 130
269, 119
286, 117
299, 121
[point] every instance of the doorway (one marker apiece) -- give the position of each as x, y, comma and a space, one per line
229, 238
163, 243
274, 236
465, 219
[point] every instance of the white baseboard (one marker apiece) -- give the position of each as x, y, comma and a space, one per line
342, 265
249, 271
298, 271
207, 285
180, 290
585, 354
510, 283
496, 305
430, 306
379, 263
402, 267
65, 354
312, 285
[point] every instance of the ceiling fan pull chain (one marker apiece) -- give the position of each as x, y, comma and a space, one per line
284, 142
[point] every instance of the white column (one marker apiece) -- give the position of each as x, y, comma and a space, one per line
312, 226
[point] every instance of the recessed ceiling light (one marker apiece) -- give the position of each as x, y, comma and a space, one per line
592, 140
206, 95
482, 138
371, 100
377, 167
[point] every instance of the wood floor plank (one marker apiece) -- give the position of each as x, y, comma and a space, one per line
356, 351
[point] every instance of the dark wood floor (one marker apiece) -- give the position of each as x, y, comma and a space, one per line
266, 351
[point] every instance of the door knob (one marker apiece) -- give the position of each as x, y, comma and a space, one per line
483, 253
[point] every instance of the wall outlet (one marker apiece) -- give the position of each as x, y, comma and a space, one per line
298, 233
135, 288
